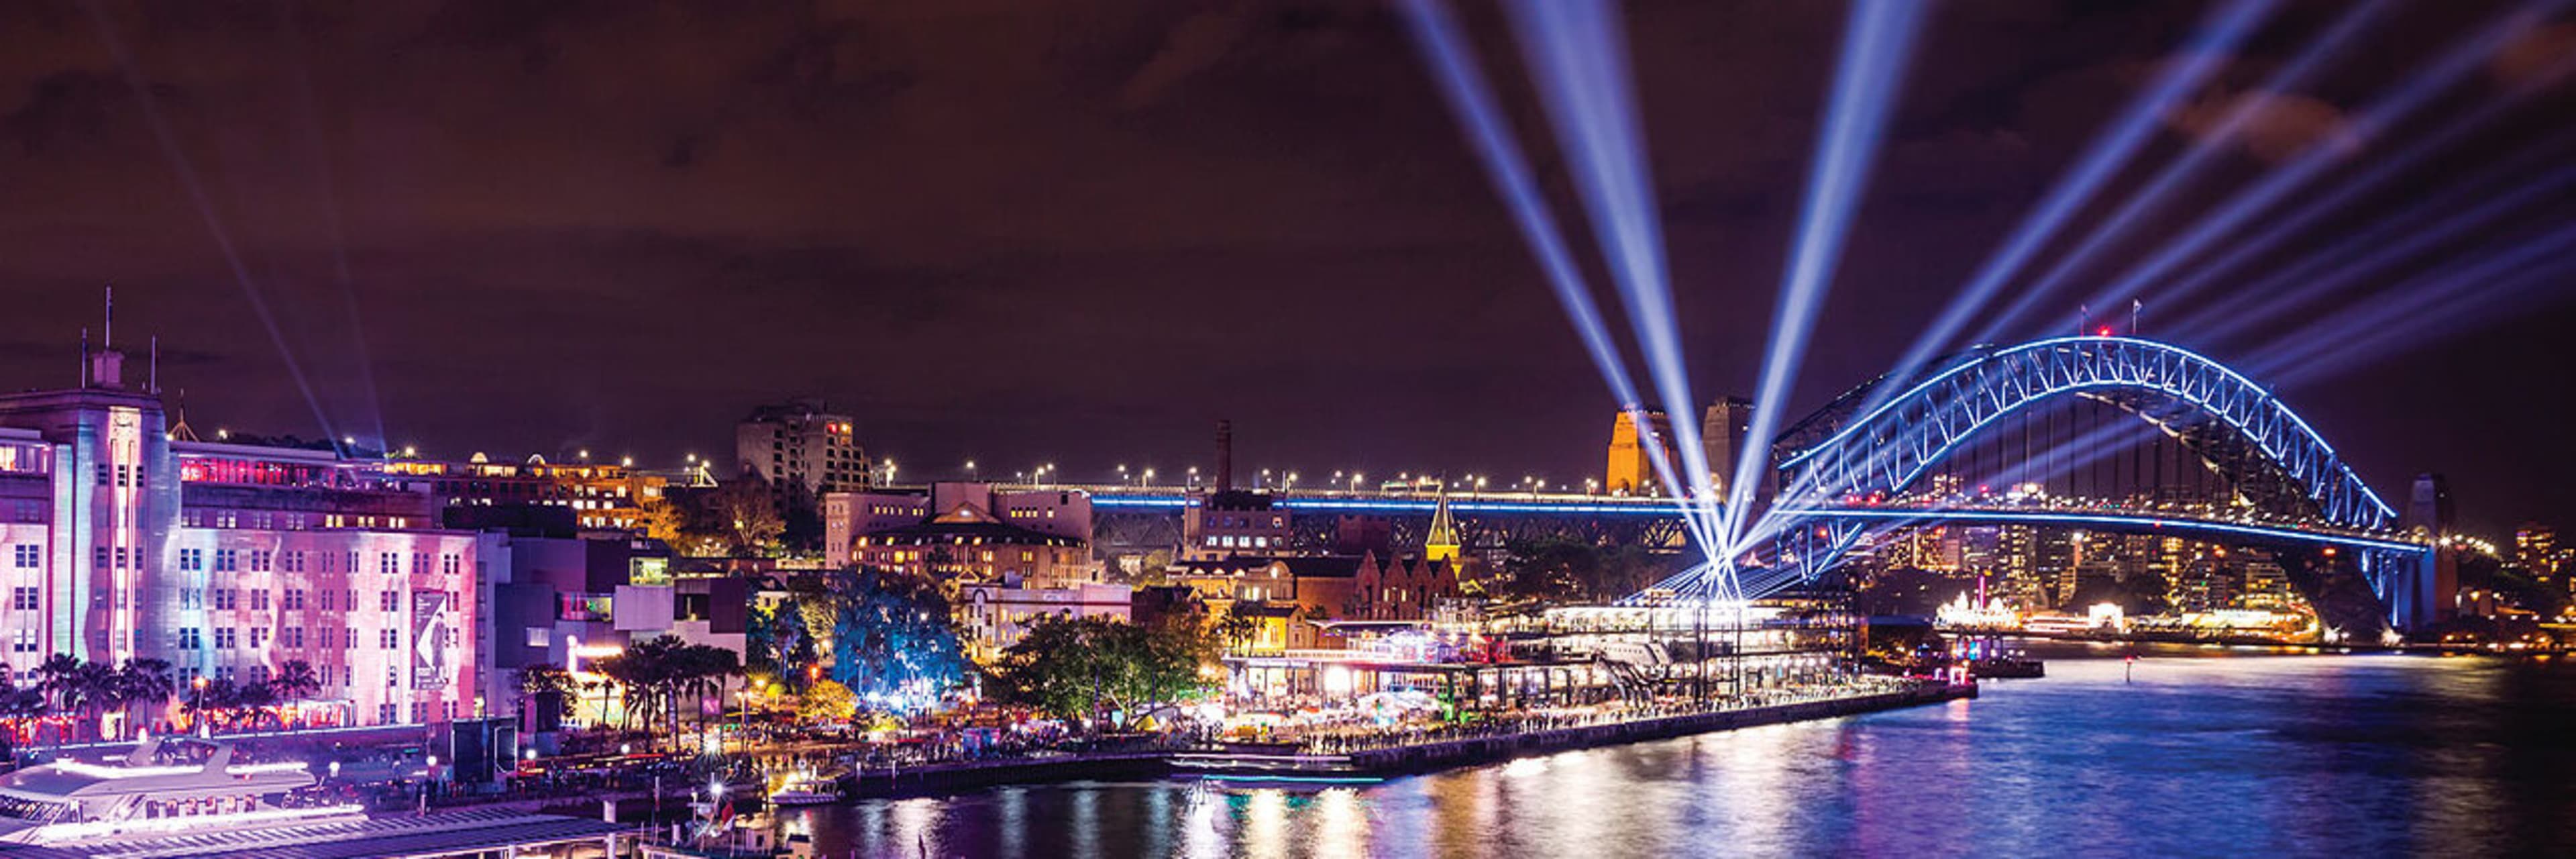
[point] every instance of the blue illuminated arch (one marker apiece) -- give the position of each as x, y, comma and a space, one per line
1887, 449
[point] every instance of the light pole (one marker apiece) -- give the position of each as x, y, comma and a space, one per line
197, 711
970, 471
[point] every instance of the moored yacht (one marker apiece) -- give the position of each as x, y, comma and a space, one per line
148, 794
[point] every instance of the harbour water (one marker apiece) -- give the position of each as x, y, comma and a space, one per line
2187, 752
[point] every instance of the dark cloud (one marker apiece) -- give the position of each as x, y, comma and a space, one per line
1074, 232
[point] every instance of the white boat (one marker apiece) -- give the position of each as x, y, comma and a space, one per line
807, 789
144, 795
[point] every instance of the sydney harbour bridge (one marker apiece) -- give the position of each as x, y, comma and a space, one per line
2210, 455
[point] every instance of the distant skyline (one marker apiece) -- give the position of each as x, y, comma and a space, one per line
1081, 233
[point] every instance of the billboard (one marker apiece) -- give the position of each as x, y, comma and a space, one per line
430, 629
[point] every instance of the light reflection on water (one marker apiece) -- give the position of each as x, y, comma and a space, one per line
2353, 755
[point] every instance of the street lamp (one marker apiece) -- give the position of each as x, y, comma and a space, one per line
199, 708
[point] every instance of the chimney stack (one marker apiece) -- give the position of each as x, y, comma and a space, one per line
1224, 456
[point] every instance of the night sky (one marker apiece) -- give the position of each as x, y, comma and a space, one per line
1080, 232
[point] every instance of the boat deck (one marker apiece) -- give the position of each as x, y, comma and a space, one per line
442, 834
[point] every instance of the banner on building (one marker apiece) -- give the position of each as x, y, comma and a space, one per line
429, 634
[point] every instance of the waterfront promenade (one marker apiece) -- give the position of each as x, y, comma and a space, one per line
1377, 753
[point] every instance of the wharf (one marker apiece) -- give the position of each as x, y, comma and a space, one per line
1369, 764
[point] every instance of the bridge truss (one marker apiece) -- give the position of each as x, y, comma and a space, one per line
1834, 465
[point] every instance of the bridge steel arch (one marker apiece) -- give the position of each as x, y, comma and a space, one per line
2235, 425
1891, 447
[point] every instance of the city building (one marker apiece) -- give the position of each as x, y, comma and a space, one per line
1722, 430
601, 495
968, 545
1632, 466
996, 616
976, 532
1233, 522
229, 561
2536, 549
554, 593
801, 449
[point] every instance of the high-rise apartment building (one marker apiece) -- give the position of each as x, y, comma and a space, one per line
801, 445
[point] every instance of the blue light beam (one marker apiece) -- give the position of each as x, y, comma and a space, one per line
1444, 51
1878, 39
2225, 28
2458, 62
1577, 55
2183, 170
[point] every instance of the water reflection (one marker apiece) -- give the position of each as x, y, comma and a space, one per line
2192, 755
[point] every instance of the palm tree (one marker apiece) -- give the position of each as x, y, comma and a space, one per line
144, 681
56, 673
295, 680
540, 680
95, 688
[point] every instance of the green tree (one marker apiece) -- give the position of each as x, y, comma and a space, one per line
1090, 667
827, 701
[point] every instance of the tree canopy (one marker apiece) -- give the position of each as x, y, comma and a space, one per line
1090, 667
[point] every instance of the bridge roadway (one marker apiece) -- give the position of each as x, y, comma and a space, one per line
1473, 506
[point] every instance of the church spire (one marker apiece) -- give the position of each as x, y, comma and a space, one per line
1442, 542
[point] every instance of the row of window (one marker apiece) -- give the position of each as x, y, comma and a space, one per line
295, 561
273, 520
292, 638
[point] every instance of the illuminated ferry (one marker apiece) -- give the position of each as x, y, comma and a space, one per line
144, 795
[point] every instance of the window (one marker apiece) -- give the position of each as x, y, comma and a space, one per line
392, 639
224, 638
98, 557
293, 600
393, 677
261, 560
27, 556
351, 642
450, 564
192, 559
22, 641
292, 637
191, 639
393, 601
385, 714
258, 637
326, 596
227, 560
538, 636
388, 563
259, 599
22, 599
